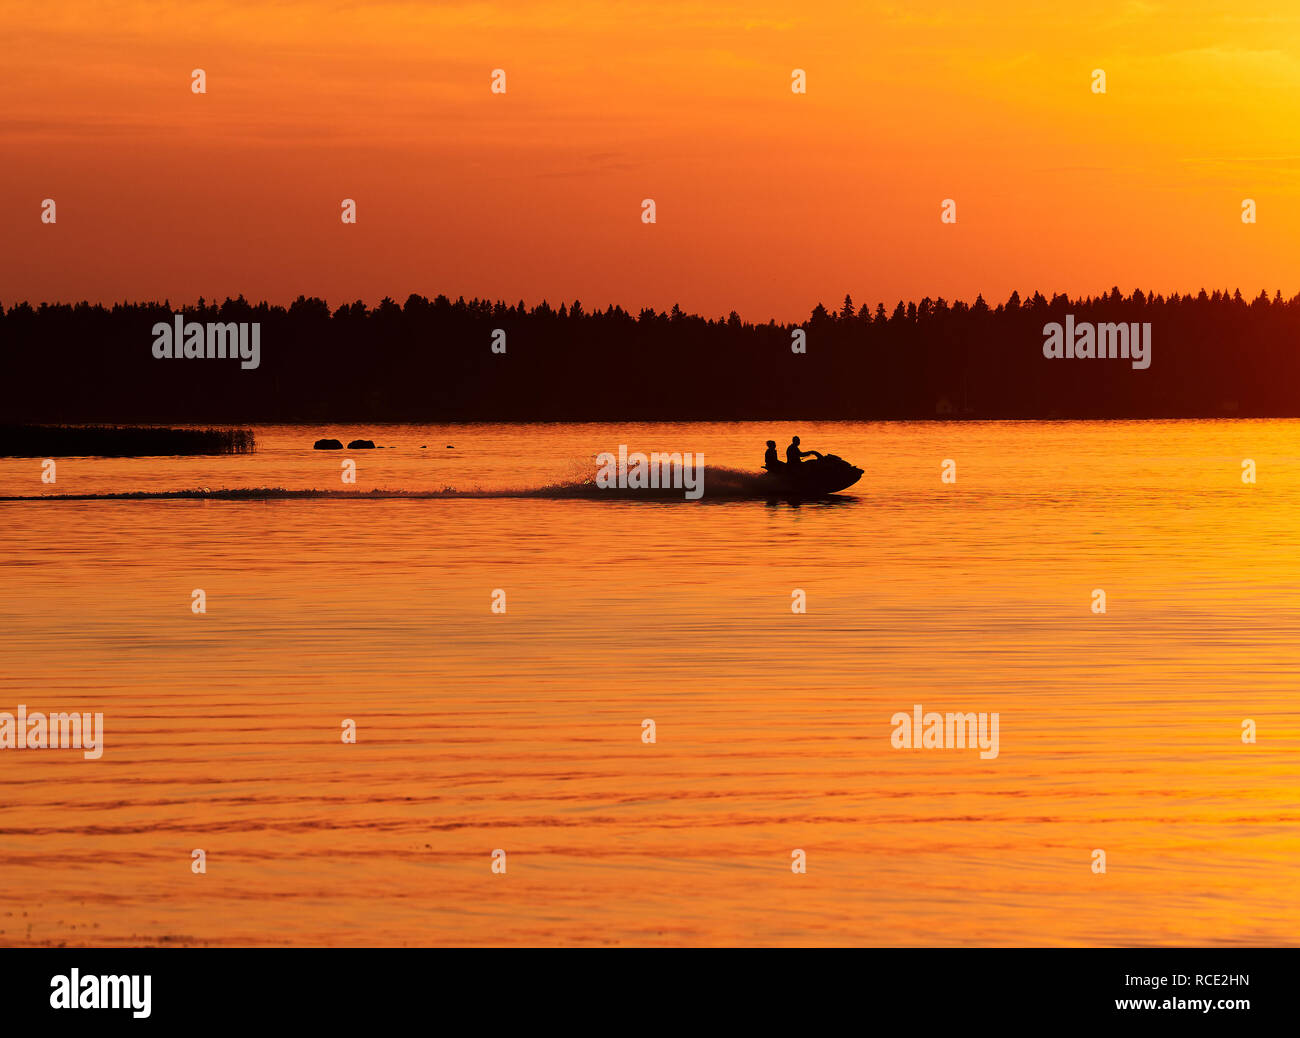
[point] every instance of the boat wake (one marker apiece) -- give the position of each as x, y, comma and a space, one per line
720, 483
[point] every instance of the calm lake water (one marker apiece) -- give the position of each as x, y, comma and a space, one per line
523, 732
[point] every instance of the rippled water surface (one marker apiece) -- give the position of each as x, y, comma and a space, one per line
523, 731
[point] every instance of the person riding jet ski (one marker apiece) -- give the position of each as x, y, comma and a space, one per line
793, 454
826, 474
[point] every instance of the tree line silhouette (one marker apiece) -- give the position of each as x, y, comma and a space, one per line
1213, 355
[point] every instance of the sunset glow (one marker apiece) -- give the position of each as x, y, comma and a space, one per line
767, 201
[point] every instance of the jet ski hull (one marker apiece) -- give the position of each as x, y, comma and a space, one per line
817, 478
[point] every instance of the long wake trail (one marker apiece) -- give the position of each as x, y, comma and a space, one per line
719, 482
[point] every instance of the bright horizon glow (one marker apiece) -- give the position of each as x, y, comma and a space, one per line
768, 202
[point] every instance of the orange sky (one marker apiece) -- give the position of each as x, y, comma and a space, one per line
767, 201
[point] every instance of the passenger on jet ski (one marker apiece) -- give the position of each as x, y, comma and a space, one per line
771, 461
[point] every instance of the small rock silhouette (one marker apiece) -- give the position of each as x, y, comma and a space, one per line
327, 445
359, 445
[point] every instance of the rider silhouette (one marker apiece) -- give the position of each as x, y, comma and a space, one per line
793, 454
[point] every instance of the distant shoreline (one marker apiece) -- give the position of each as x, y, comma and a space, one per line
1203, 356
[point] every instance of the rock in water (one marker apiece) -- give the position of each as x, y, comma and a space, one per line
327, 445
361, 445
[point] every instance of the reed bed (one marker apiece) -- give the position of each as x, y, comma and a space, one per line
120, 441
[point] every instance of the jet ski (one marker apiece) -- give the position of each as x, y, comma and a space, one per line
828, 474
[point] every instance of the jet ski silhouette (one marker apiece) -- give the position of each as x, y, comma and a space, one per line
828, 474
825, 474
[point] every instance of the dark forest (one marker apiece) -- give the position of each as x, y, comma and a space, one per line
1214, 354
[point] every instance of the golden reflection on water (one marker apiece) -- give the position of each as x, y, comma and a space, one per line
523, 731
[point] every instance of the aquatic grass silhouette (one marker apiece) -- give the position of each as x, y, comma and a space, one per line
117, 441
